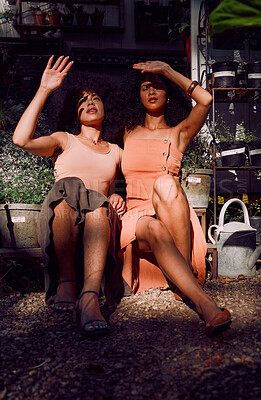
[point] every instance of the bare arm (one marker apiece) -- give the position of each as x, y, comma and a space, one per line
188, 128
52, 79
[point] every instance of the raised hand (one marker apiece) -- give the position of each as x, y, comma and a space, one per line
53, 76
154, 67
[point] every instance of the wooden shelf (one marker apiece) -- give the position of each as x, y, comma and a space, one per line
244, 167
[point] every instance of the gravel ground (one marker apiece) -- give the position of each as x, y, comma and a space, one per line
156, 349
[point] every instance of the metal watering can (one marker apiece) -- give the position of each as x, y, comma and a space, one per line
236, 244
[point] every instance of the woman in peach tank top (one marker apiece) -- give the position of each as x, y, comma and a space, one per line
161, 239
78, 224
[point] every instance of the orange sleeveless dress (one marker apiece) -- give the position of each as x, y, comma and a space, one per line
143, 161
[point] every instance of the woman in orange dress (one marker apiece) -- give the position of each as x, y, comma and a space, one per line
161, 239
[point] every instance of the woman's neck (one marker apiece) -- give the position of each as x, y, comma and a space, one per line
91, 133
153, 123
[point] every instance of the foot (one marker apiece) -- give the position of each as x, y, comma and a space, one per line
217, 320
92, 321
65, 297
207, 308
220, 323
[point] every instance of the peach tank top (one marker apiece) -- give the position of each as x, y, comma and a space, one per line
96, 170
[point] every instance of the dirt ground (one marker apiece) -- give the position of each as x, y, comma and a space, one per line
156, 349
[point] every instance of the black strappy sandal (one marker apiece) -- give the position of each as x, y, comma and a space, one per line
58, 305
93, 330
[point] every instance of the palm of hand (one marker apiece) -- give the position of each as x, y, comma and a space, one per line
156, 67
52, 79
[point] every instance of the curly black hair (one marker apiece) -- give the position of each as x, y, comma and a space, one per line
133, 112
62, 104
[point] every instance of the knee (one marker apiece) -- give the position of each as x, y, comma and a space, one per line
97, 217
168, 189
64, 212
157, 232
100, 213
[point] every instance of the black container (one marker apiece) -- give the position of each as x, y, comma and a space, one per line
225, 74
255, 222
254, 151
233, 154
254, 74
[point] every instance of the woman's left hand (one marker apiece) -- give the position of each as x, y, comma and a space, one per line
118, 203
154, 67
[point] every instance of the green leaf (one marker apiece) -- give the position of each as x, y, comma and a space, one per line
234, 14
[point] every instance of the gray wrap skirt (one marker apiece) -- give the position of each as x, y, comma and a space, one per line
82, 201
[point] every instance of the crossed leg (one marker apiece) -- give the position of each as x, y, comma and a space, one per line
152, 235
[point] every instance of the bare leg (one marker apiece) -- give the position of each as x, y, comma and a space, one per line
96, 238
171, 206
153, 236
65, 236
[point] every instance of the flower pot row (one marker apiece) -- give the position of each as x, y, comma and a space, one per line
225, 75
55, 18
234, 153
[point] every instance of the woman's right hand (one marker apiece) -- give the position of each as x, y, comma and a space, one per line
53, 76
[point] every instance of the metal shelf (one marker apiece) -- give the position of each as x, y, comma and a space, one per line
245, 95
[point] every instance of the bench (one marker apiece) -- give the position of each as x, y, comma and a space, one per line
35, 252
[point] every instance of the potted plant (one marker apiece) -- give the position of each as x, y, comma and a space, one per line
7, 20
97, 18
54, 14
197, 170
254, 150
233, 145
81, 16
38, 15
67, 16
25, 180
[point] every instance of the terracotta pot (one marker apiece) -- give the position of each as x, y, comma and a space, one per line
97, 20
67, 19
54, 18
82, 19
39, 17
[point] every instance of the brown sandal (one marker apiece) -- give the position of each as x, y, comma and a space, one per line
219, 324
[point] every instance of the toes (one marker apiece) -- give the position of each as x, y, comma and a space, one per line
61, 307
95, 325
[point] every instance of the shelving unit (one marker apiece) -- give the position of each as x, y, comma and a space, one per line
113, 18
232, 95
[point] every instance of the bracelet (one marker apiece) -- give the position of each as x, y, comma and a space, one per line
191, 88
